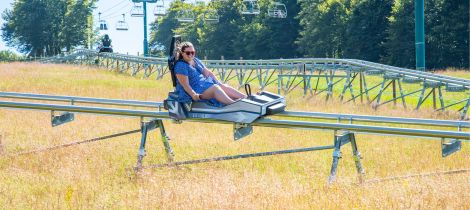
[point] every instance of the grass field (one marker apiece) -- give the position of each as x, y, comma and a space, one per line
96, 175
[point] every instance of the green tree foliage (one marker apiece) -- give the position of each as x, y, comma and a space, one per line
367, 24
323, 25
447, 33
263, 36
234, 35
399, 44
8, 56
41, 27
222, 38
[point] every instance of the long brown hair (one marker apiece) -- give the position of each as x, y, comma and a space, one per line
181, 47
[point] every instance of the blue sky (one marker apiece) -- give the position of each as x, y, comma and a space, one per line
130, 41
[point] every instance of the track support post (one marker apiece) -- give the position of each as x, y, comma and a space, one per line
145, 128
165, 140
340, 140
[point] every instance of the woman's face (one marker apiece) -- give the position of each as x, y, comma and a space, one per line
188, 53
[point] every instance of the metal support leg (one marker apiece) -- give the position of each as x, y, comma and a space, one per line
346, 85
420, 98
365, 87
382, 89
394, 93
401, 94
463, 115
336, 157
165, 139
357, 158
441, 98
145, 128
340, 140
141, 154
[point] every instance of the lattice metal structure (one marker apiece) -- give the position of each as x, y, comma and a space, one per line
349, 80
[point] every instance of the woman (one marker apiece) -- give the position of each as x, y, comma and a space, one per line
196, 82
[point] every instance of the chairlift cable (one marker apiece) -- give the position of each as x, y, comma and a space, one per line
106, 10
117, 12
116, 15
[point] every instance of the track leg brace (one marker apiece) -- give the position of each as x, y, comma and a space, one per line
165, 140
340, 140
145, 128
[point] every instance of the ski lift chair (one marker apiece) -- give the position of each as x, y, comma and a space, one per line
185, 15
121, 25
103, 25
211, 16
250, 7
159, 10
137, 11
277, 10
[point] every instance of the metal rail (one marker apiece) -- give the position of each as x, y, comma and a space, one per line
344, 118
350, 118
263, 122
75, 99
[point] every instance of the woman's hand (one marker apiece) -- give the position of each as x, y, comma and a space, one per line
196, 97
184, 81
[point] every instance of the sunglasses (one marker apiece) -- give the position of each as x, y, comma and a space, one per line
188, 53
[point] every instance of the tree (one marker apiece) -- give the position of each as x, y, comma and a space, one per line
41, 27
323, 25
7, 55
366, 30
400, 43
447, 34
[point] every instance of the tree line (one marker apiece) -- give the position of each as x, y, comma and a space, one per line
46, 27
373, 30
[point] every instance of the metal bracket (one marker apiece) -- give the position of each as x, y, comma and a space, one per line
150, 125
241, 130
62, 118
450, 146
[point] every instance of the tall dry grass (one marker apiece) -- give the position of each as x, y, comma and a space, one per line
95, 175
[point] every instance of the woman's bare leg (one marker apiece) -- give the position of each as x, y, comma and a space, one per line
218, 93
232, 92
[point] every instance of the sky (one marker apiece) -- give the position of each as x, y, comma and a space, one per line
126, 42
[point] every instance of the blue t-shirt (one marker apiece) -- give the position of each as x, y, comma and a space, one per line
196, 79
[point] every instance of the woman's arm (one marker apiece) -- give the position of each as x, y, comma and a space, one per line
208, 73
184, 81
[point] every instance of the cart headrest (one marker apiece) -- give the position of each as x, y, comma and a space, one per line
172, 58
